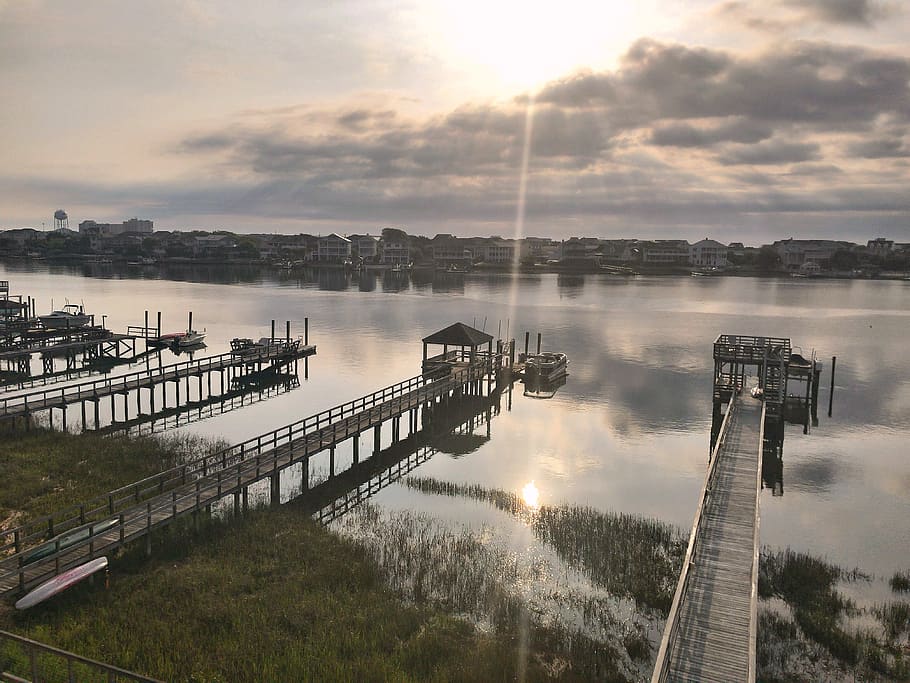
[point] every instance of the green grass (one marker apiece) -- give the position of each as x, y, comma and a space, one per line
45, 470
273, 596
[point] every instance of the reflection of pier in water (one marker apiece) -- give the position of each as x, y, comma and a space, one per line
239, 395
447, 429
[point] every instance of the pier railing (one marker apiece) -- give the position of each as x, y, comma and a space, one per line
224, 468
42, 662
671, 629
85, 391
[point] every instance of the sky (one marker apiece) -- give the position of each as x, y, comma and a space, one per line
735, 119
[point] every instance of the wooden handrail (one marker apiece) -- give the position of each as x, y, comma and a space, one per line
661, 669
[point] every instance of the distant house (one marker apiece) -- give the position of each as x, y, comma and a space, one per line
665, 252
364, 246
708, 254
799, 254
333, 249
133, 225
498, 250
541, 248
394, 251
581, 251
449, 250
880, 246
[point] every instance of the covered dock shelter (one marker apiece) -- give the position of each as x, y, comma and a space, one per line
459, 342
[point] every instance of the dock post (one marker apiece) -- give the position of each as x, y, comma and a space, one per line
82, 406
305, 474
236, 503
356, 445
331, 462
287, 331
376, 434
159, 323
97, 416
189, 325
275, 492
538, 343
272, 337
245, 498
831, 393
527, 341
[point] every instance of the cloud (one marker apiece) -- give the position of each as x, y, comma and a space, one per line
880, 148
770, 152
857, 12
686, 135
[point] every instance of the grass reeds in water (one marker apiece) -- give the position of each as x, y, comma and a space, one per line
900, 582
627, 555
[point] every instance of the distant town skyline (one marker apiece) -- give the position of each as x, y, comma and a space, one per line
735, 120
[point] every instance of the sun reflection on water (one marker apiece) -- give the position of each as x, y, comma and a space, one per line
531, 495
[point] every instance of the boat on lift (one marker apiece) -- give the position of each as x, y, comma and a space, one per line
546, 367
70, 316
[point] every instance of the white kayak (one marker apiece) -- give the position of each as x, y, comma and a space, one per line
61, 582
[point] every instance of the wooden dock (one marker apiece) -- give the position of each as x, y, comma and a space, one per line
711, 630
22, 405
147, 505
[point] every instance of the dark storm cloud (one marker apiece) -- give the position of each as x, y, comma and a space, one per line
770, 152
800, 82
686, 135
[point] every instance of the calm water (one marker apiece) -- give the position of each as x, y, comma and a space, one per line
630, 429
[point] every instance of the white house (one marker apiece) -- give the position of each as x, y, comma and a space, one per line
708, 254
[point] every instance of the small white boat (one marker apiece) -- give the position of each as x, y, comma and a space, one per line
61, 582
190, 338
70, 316
546, 367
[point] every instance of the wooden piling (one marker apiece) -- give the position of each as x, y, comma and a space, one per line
831, 392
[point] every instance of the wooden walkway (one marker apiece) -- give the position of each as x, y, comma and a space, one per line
45, 399
157, 501
711, 631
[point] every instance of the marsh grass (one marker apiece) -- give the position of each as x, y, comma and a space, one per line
817, 630
46, 470
900, 582
627, 555
274, 597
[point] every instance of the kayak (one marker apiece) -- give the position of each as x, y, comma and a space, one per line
68, 539
60, 583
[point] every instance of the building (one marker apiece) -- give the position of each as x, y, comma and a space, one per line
808, 255
365, 247
333, 249
664, 252
497, 250
880, 246
448, 250
581, 251
394, 251
541, 249
133, 225
708, 254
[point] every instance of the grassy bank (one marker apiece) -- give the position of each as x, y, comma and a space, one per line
46, 470
272, 596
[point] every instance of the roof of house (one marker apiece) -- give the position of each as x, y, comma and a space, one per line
459, 334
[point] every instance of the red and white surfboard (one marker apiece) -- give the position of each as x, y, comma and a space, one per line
61, 582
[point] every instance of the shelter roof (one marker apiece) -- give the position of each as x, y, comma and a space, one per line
459, 334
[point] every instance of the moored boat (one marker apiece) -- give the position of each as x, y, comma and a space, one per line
190, 338
70, 316
546, 367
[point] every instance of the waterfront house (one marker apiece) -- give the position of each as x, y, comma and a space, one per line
333, 249
708, 254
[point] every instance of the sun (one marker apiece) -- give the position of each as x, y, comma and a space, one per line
530, 495
523, 45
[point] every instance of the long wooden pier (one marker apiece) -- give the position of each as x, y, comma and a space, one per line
144, 506
710, 633
233, 363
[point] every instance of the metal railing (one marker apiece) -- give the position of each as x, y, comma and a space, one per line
224, 471
40, 663
84, 391
661, 667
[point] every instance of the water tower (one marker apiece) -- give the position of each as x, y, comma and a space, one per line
61, 220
